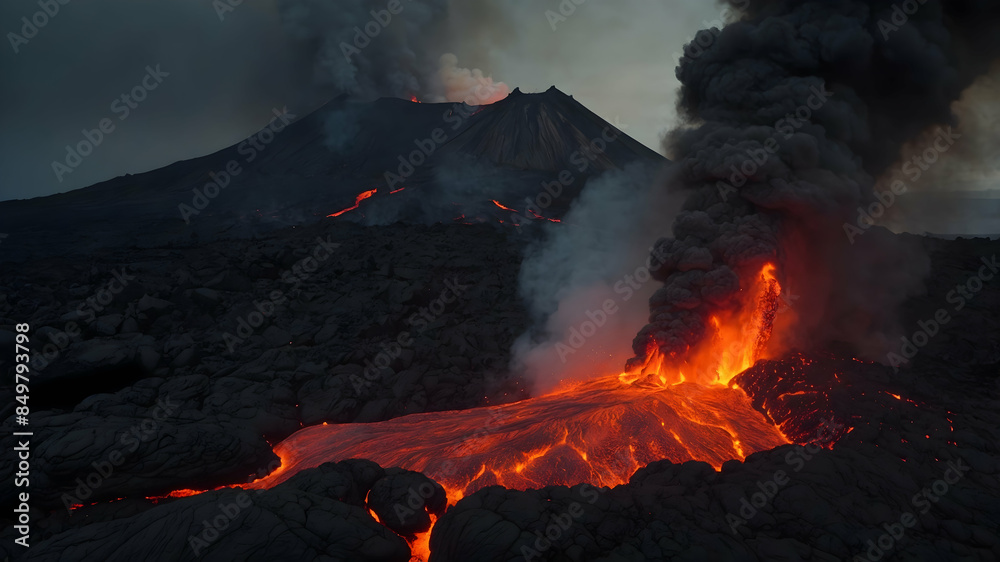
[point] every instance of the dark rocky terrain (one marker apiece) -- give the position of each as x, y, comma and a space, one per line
161, 339
164, 338
172, 357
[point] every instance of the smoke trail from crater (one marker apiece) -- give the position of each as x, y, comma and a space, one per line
793, 113
378, 48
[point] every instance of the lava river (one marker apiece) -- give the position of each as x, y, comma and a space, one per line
599, 431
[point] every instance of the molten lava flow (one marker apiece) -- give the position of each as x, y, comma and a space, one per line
420, 547
540, 217
599, 431
533, 213
502, 206
357, 202
414, 99
361, 197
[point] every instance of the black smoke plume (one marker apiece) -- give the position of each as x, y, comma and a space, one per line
820, 97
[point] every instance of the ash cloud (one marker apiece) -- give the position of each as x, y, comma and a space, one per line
368, 49
361, 48
884, 91
464, 85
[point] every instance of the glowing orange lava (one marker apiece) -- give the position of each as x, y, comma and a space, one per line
502, 206
599, 431
357, 202
420, 548
537, 216
737, 340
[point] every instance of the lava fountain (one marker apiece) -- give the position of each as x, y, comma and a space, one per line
599, 431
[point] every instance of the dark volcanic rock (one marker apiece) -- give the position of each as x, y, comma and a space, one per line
404, 501
234, 401
315, 516
253, 369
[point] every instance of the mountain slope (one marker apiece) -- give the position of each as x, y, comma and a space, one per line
543, 131
452, 160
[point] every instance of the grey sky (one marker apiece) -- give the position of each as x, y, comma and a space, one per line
225, 77
616, 57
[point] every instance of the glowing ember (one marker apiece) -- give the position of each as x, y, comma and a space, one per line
183, 493
357, 202
537, 216
414, 99
498, 204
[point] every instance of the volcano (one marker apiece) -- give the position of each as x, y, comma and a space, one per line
323, 162
316, 362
